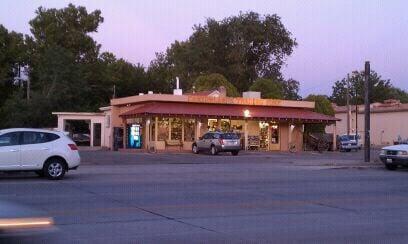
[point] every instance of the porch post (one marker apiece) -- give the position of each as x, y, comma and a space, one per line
124, 132
334, 137
91, 125
182, 130
197, 129
147, 131
246, 134
156, 133
169, 129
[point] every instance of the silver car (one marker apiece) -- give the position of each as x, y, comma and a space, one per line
216, 142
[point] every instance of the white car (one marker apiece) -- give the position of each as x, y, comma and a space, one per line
48, 153
394, 156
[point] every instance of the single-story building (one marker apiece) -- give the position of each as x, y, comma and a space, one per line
388, 121
157, 122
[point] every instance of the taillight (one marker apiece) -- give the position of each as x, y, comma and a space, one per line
73, 147
221, 141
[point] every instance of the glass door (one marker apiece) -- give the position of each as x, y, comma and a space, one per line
275, 137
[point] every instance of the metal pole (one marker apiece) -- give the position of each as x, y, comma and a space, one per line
367, 112
348, 104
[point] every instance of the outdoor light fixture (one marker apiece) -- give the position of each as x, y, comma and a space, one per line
247, 113
199, 124
148, 122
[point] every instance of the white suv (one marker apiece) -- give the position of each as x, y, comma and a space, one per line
48, 153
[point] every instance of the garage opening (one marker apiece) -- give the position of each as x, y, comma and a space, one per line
80, 131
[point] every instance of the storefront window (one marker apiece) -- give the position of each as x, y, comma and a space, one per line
163, 130
274, 134
225, 125
236, 126
212, 124
263, 134
176, 129
189, 126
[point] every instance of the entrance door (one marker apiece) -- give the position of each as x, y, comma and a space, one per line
275, 137
117, 138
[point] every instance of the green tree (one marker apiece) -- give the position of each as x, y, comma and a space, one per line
13, 57
323, 106
69, 28
277, 88
291, 89
269, 88
214, 81
61, 62
242, 48
381, 89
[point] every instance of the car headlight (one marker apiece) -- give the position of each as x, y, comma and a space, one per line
383, 152
404, 153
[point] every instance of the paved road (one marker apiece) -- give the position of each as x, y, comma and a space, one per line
231, 199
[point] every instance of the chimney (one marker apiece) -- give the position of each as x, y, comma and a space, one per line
177, 91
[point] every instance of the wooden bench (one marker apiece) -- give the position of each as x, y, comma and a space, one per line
174, 143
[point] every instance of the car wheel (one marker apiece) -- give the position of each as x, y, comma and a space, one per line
195, 149
235, 153
213, 150
54, 169
391, 166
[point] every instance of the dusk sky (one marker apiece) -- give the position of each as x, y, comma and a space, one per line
335, 37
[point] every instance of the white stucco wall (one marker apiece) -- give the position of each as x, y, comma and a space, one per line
385, 127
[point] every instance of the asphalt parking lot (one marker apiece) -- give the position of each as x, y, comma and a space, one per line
185, 198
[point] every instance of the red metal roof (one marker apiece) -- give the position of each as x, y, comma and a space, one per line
226, 110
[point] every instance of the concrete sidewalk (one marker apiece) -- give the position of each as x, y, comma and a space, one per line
326, 159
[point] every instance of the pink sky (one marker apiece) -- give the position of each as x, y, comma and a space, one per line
335, 37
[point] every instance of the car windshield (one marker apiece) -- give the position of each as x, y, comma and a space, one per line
347, 137
229, 136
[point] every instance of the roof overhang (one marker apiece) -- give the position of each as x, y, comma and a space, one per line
227, 111
125, 101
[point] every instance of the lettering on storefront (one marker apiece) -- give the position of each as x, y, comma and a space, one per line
235, 100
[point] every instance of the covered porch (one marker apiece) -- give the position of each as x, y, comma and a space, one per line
159, 126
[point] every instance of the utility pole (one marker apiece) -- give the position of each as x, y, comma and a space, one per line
367, 112
356, 119
348, 104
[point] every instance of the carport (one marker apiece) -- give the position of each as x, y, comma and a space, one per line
96, 122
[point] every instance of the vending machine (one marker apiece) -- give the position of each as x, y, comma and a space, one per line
135, 136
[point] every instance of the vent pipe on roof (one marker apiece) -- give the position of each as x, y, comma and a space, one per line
177, 91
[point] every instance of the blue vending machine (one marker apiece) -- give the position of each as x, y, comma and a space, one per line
135, 136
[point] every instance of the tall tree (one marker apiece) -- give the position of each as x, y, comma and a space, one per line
69, 28
242, 48
13, 57
291, 89
381, 89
